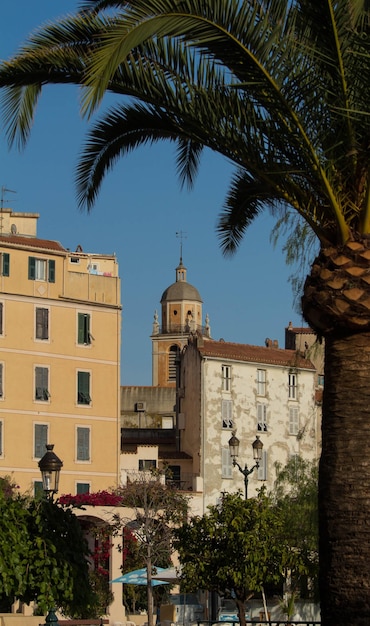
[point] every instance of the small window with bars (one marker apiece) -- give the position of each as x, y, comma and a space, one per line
261, 382
292, 386
226, 377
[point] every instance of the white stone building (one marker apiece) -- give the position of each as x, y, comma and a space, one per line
253, 390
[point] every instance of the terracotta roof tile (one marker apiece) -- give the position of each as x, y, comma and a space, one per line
254, 354
32, 242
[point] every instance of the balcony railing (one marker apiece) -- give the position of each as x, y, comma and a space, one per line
182, 329
148, 436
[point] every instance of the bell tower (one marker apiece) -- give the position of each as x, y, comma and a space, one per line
181, 314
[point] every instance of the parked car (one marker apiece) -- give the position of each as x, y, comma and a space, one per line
228, 612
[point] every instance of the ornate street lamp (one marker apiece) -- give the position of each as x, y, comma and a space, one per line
50, 466
257, 447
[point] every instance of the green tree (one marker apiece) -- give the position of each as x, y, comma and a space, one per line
235, 549
280, 88
295, 494
43, 556
154, 510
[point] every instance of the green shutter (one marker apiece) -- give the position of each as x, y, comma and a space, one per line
41, 439
83, 328
83, 391
31, 268
83, 444
80, 337
6, 264
51, 272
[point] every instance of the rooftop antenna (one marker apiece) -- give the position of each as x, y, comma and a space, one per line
181, 235
4, 190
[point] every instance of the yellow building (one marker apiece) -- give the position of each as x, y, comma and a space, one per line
60, 326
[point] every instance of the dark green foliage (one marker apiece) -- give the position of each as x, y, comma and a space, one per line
43, 556
235, 549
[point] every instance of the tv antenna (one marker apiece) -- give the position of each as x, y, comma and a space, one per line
4, 190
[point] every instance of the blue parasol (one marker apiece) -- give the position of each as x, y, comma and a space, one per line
139, 577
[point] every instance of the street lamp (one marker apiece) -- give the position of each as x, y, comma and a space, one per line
257, 447
50, 466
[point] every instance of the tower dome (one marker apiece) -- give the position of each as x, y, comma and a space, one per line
181, 314
181, 289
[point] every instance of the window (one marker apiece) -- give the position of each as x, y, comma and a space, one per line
4, 264
292, 386
1, 438
226, 463
293, 421
226, 377
1, 380
320, 380
41, 269
83, 444
262, 418
42, 323
40, 440
227, 414
145, 465
261, 382
38, 489
42, 384
83, 388
172, 362
83, 334
262, 470
173, 476
1, 318
82, 488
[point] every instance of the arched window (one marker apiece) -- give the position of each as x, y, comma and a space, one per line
172, 356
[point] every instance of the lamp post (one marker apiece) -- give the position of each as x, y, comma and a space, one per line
50, 466
257, 447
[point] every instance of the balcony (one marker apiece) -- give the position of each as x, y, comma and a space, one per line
147, 436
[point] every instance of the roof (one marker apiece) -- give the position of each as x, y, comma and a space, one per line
254, 354
32, 242
181, 290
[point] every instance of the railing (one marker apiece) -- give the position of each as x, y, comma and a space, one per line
260, 622
182, 329
149, 436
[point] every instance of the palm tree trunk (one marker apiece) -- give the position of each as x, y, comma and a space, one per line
344, 482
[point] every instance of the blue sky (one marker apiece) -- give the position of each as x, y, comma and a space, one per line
138, 212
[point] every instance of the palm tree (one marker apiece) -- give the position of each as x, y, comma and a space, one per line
281, 88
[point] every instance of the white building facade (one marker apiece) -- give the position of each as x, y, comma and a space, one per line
255, 391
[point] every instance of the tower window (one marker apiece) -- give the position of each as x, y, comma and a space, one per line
172, 357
